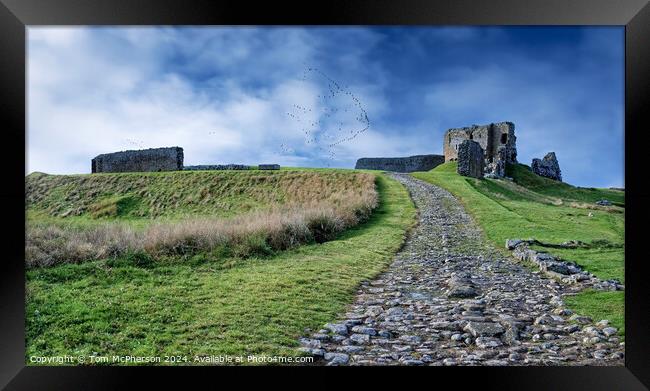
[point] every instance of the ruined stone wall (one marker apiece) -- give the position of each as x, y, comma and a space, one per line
454, 137
154, 159
490, 137
268, 167
502, 134
401, 164
547, 167
470, 159
497, 167
204, 167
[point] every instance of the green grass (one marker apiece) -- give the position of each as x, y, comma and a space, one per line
211, 306
599, 261
601, 305
526, 178
552, 212
138, 198
76, 218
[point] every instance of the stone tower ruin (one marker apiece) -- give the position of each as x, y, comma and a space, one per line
497, 140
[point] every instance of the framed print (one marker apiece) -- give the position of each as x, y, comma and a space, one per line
225, 187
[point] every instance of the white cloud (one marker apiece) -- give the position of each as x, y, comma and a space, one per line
94, 91
223, 95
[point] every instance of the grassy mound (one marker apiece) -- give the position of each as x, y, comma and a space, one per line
210, 305
552, 212
174, 195
78, 218
524, 177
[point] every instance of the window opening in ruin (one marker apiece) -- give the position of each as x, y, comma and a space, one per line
504, 138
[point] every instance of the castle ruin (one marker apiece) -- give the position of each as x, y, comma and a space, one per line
496, 143
497, 140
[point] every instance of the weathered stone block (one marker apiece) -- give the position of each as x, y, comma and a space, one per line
462, 291
470, 159
484, 329
547, 167
488, 342
154, 159
512, 243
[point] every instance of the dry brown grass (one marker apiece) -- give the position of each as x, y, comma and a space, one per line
315, 214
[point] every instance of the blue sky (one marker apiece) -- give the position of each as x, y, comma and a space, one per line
260, 95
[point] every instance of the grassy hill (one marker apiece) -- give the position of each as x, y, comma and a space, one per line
178, 288
524, 177
553, 212
204, 302
75, 218
177, 195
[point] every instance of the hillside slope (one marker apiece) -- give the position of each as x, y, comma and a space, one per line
509, 210
552, 212
75, 218
184, 193
524, 177
208, 306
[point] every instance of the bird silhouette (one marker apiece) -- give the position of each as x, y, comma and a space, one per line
328, 130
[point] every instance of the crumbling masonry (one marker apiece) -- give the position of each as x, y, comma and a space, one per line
159, 159
401, 164
470, 159
497, 140
153, 159
547, 167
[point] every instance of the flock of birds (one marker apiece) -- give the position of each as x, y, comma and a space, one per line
137, 143
338, 117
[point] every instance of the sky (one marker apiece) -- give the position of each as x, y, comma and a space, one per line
324, 96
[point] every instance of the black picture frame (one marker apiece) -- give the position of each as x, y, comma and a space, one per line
16, 15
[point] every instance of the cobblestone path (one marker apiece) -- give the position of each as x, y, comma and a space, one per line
449, 298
